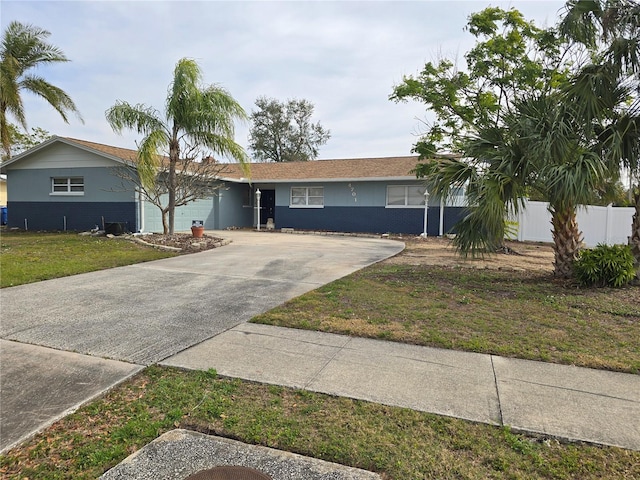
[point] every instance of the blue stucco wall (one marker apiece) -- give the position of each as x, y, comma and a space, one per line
367, 219
361, 207
105, 196
100, 185
224, 209
233, 208
79, 216
342, 194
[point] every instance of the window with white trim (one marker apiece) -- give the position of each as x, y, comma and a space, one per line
405, 196
306, 197
67, 186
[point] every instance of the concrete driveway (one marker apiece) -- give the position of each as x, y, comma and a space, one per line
146, 312
142, 314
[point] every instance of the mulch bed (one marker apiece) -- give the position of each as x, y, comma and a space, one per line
186, 242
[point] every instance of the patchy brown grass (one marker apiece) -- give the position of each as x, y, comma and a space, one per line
529, 257
507, 304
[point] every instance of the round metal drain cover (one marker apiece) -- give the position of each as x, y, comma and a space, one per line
229, 473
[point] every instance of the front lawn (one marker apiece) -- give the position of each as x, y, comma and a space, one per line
510, 313
27, 257
507, 312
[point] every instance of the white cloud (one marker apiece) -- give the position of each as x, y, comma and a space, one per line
345, 57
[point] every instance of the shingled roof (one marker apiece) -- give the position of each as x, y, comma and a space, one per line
337, 169
330, 170
124, 154
387, 168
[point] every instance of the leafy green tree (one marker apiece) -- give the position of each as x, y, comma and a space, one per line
511, 56
515, 131
284, 132
24, 48
196, 117
21, 142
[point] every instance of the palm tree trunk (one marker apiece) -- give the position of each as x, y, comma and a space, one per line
172, 196
4, 132
634, 239
567, 239
174, 152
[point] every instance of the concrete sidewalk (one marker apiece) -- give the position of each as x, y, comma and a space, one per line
562, 401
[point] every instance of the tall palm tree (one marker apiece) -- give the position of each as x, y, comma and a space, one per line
194, 116
23, 48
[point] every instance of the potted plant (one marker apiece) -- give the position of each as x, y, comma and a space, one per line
197, 228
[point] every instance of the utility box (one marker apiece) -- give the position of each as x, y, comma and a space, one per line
115, 228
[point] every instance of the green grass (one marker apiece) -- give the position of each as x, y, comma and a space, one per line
507, 313
27, 257
399, 443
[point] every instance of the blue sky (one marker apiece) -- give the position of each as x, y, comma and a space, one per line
344, 57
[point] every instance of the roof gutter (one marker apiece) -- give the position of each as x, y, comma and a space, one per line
317, 180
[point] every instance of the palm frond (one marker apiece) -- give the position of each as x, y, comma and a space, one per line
444, 175
22, 48
55, 96
581, 20
149, 157
140, 118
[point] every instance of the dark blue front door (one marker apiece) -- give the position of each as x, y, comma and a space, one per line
267, 206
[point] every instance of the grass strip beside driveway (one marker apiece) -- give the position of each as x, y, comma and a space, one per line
27, 257
508, 313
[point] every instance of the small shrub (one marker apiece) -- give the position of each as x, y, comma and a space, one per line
605, 265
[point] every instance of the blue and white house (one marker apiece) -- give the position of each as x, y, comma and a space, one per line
71, 184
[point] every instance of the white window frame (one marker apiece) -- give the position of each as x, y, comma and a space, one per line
406, 197
306, 198
68, 186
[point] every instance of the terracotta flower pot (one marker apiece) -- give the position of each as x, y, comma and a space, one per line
197, 232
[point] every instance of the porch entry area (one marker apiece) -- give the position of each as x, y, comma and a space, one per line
267, 205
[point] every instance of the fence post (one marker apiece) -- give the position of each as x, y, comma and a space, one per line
441, 224
608, 224
521, 221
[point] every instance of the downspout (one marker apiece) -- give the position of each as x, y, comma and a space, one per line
441, 226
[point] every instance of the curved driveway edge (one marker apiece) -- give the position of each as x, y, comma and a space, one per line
39, 386
147, 312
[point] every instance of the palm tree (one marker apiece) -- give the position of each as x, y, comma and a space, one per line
539, 147
608, 88
562, 144
193, 117
566, 170
23, 48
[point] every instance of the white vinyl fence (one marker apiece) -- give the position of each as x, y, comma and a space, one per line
610, 225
